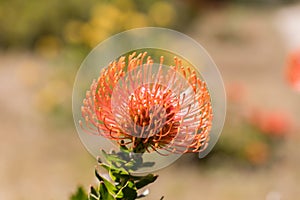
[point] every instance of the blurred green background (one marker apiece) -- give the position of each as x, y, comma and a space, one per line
42, 44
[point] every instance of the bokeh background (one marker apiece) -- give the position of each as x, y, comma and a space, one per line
255, 44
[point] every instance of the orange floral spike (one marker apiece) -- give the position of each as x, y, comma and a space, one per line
129, 104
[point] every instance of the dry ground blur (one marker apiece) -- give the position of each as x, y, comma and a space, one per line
41, 161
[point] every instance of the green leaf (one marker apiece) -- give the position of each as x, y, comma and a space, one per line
104, 194
118, 175
93, 191
113, 159
114, 170
129, 191
110, 187
150, 178
130, 165
80, 194
93, 197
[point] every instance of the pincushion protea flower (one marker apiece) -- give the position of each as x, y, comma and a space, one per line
149, 108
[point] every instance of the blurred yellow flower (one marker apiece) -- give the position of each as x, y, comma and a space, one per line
71, 31
92, 35
135, 20
162, 13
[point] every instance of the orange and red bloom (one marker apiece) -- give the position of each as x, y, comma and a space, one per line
275, 123
293, 70
149, 108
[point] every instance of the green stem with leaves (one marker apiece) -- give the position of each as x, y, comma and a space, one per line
121, 184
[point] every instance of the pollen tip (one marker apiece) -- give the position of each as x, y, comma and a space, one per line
161, 60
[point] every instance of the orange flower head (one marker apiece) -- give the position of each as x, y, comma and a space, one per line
149, 107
